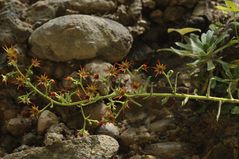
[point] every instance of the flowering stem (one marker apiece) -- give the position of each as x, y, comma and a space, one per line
82, 102
133, 95
181, 95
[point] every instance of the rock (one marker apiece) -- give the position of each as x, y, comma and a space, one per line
73, 118
15, 7
97, 146
128, 136
136, 157
135, 9
2, 3
187, 3
167, 150
45, 10
21, 148
7, 109
157, 16
18, 126
153, 34
109, 129
2, 152
136, 30
98, 67
195, 157
150, 157
13, 30
161, 125
173, 13
199, 22
8, 142
221, 151
129, 14
140, 53
45, 120
162, 3
31, 139
96, 111
80, 37
132, 136
41, 11
52, 138
200, 9
57, 133
149, 3
93, 6
131, 83
9, 114
132, 118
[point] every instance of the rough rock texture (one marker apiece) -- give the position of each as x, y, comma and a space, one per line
14, 6
98, 146
128, 13
166, 150
40, 11
13, 30
49, 9
18, 126
57, 133
81, 37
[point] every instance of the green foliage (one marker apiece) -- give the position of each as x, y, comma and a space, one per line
235, 110
204, 50
183, 31
230, 7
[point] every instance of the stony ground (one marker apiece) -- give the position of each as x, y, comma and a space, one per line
95, 34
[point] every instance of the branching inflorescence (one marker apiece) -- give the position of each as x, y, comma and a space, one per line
84, 94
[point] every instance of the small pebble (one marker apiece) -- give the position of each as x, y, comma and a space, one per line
109, 129
46, 119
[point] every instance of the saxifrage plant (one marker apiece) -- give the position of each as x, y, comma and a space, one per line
117, 99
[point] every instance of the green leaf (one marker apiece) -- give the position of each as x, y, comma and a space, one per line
184, 102
232, 6
221, 79
210, 65
184, 46
4, 78
170, 73
225, 9
196, 44
226, 68
235, 110
234, 64
164, 100
183, 31
183, 52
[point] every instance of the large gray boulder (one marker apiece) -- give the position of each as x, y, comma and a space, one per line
80, 37
92, 147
